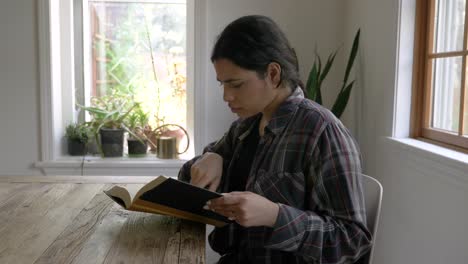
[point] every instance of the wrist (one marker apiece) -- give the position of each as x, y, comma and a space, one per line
274, 214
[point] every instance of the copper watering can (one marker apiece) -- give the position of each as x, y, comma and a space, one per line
167, 146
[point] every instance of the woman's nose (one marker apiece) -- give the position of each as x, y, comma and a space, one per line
227, 96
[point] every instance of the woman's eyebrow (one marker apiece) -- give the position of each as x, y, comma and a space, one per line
228, 80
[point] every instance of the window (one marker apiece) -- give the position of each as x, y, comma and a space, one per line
137, 49
440, 105
72, 70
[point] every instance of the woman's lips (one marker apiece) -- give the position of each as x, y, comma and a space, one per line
235, 109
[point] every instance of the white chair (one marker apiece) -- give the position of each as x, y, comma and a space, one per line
373, 191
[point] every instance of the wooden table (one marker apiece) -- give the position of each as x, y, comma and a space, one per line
70, 220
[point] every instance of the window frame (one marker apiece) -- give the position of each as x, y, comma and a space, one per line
422, 74
57, 69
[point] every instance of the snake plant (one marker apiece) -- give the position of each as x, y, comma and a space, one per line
317, 75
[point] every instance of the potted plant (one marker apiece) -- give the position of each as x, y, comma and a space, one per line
108, 122
317, 75
137, 142
77, 138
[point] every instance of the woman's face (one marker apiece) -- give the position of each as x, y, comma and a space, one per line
246, 93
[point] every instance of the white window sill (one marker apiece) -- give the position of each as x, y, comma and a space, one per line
120, 166
437, 158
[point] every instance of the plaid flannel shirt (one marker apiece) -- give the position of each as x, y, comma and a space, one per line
308, 163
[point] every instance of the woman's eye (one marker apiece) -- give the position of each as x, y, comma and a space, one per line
237, 85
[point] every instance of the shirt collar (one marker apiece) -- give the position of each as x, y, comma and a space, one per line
285, 111
280, 117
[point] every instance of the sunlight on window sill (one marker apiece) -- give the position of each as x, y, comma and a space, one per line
125, 166
124, 160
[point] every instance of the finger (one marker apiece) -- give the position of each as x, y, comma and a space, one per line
197, 182
194, 180
199, 179
231, 215
214, 185
221, 206
202, 182
194, 174
238, 193
218, 207
225, 212
226, 200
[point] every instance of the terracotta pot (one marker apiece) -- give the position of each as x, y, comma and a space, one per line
177, 133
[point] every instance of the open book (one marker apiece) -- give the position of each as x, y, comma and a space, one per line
168, 196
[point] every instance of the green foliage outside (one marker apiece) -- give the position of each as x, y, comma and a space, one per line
144, 50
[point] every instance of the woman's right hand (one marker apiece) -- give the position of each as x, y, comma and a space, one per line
207, 171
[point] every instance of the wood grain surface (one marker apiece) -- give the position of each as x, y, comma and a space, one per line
73, 221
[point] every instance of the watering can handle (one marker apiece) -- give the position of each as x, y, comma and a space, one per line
183, 129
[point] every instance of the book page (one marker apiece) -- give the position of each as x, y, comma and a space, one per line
133, 190
120, 195
150, 185
124, 195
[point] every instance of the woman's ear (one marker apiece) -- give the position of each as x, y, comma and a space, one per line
274, 73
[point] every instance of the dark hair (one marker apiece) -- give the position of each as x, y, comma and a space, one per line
253, 42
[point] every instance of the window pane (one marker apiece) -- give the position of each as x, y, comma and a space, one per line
139, 51
448, 25
446, 84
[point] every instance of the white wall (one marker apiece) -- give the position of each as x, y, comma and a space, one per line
424, 217
424, 211
19, 88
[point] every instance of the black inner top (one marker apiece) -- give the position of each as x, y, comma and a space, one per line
244, 161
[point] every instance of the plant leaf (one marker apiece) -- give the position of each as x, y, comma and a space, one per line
328, 65
352, 56
319, 95
93, 110
319, 68
316, 83
342, 100
312, 88
318, 98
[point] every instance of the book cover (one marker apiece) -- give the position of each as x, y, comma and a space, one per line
169, 196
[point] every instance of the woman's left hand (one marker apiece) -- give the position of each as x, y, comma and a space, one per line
246, 208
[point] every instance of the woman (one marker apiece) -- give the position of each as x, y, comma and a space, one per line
289, 169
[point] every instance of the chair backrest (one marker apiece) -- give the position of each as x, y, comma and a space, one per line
373, 191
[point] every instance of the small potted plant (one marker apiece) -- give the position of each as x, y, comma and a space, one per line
137, 142
77, 138
108, 122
